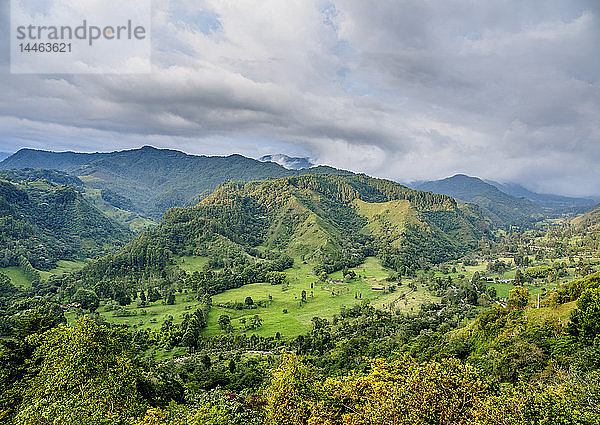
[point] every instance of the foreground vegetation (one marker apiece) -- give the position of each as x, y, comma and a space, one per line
305, 300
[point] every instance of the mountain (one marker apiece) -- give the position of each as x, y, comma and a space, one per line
329, 221
289, 162
43, 220
552, 204
151, 180
4, 155
39, 159
589, 221
502, 208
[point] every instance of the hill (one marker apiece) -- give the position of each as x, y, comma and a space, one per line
151, 180
589, 221
552, 204
33, 158
503, 209
4, 155
328, 221
43, 220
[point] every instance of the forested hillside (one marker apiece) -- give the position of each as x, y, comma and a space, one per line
328, 221
552, 204
589, 221
504, 210
151, 180
44, 218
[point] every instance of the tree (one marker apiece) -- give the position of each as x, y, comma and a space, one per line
519, 277
87, 298
585, 319
224, 321
249, 301
171, 298
87, 375
518, 298
255, 321
303, 295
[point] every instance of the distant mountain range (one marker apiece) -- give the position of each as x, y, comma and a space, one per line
146, 182
551, 203
154, 180
503, 209
289, 162
4, 155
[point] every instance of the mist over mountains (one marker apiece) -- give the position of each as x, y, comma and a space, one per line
292, 163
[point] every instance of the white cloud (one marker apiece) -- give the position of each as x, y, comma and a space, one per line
405, 90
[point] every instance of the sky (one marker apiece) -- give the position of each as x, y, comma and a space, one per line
400, 89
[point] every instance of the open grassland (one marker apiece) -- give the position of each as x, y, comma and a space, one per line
285, 312
62, 267
191, 263
560, 314
153, 315
323, 299
16, 276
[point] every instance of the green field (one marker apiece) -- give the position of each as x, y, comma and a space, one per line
320, 301
62, 267
152, 316
133, 221
323, 300
16, 276
191, 263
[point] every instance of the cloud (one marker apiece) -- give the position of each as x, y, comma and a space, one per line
404, 90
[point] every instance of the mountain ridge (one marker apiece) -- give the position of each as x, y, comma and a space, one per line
503, 209
153, 179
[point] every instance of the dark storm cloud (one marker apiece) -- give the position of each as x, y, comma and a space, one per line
406, 90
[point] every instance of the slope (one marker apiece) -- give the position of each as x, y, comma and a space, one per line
153, 180
503, 209
589, 221
45, 221
329, 221
552, 204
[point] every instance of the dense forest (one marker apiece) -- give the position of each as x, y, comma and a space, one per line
432, 339
44, 218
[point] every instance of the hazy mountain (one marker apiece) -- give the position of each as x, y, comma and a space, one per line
551, 203
4, 155
292, 163
154, 180
502, 208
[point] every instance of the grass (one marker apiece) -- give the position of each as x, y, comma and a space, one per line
191, 263
16, 276
153, 315
133, 221
561, 313
320, 301
62, 267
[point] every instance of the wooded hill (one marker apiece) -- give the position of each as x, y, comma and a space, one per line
153, 180
44, 220
326, 220
589, 221
503, 209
